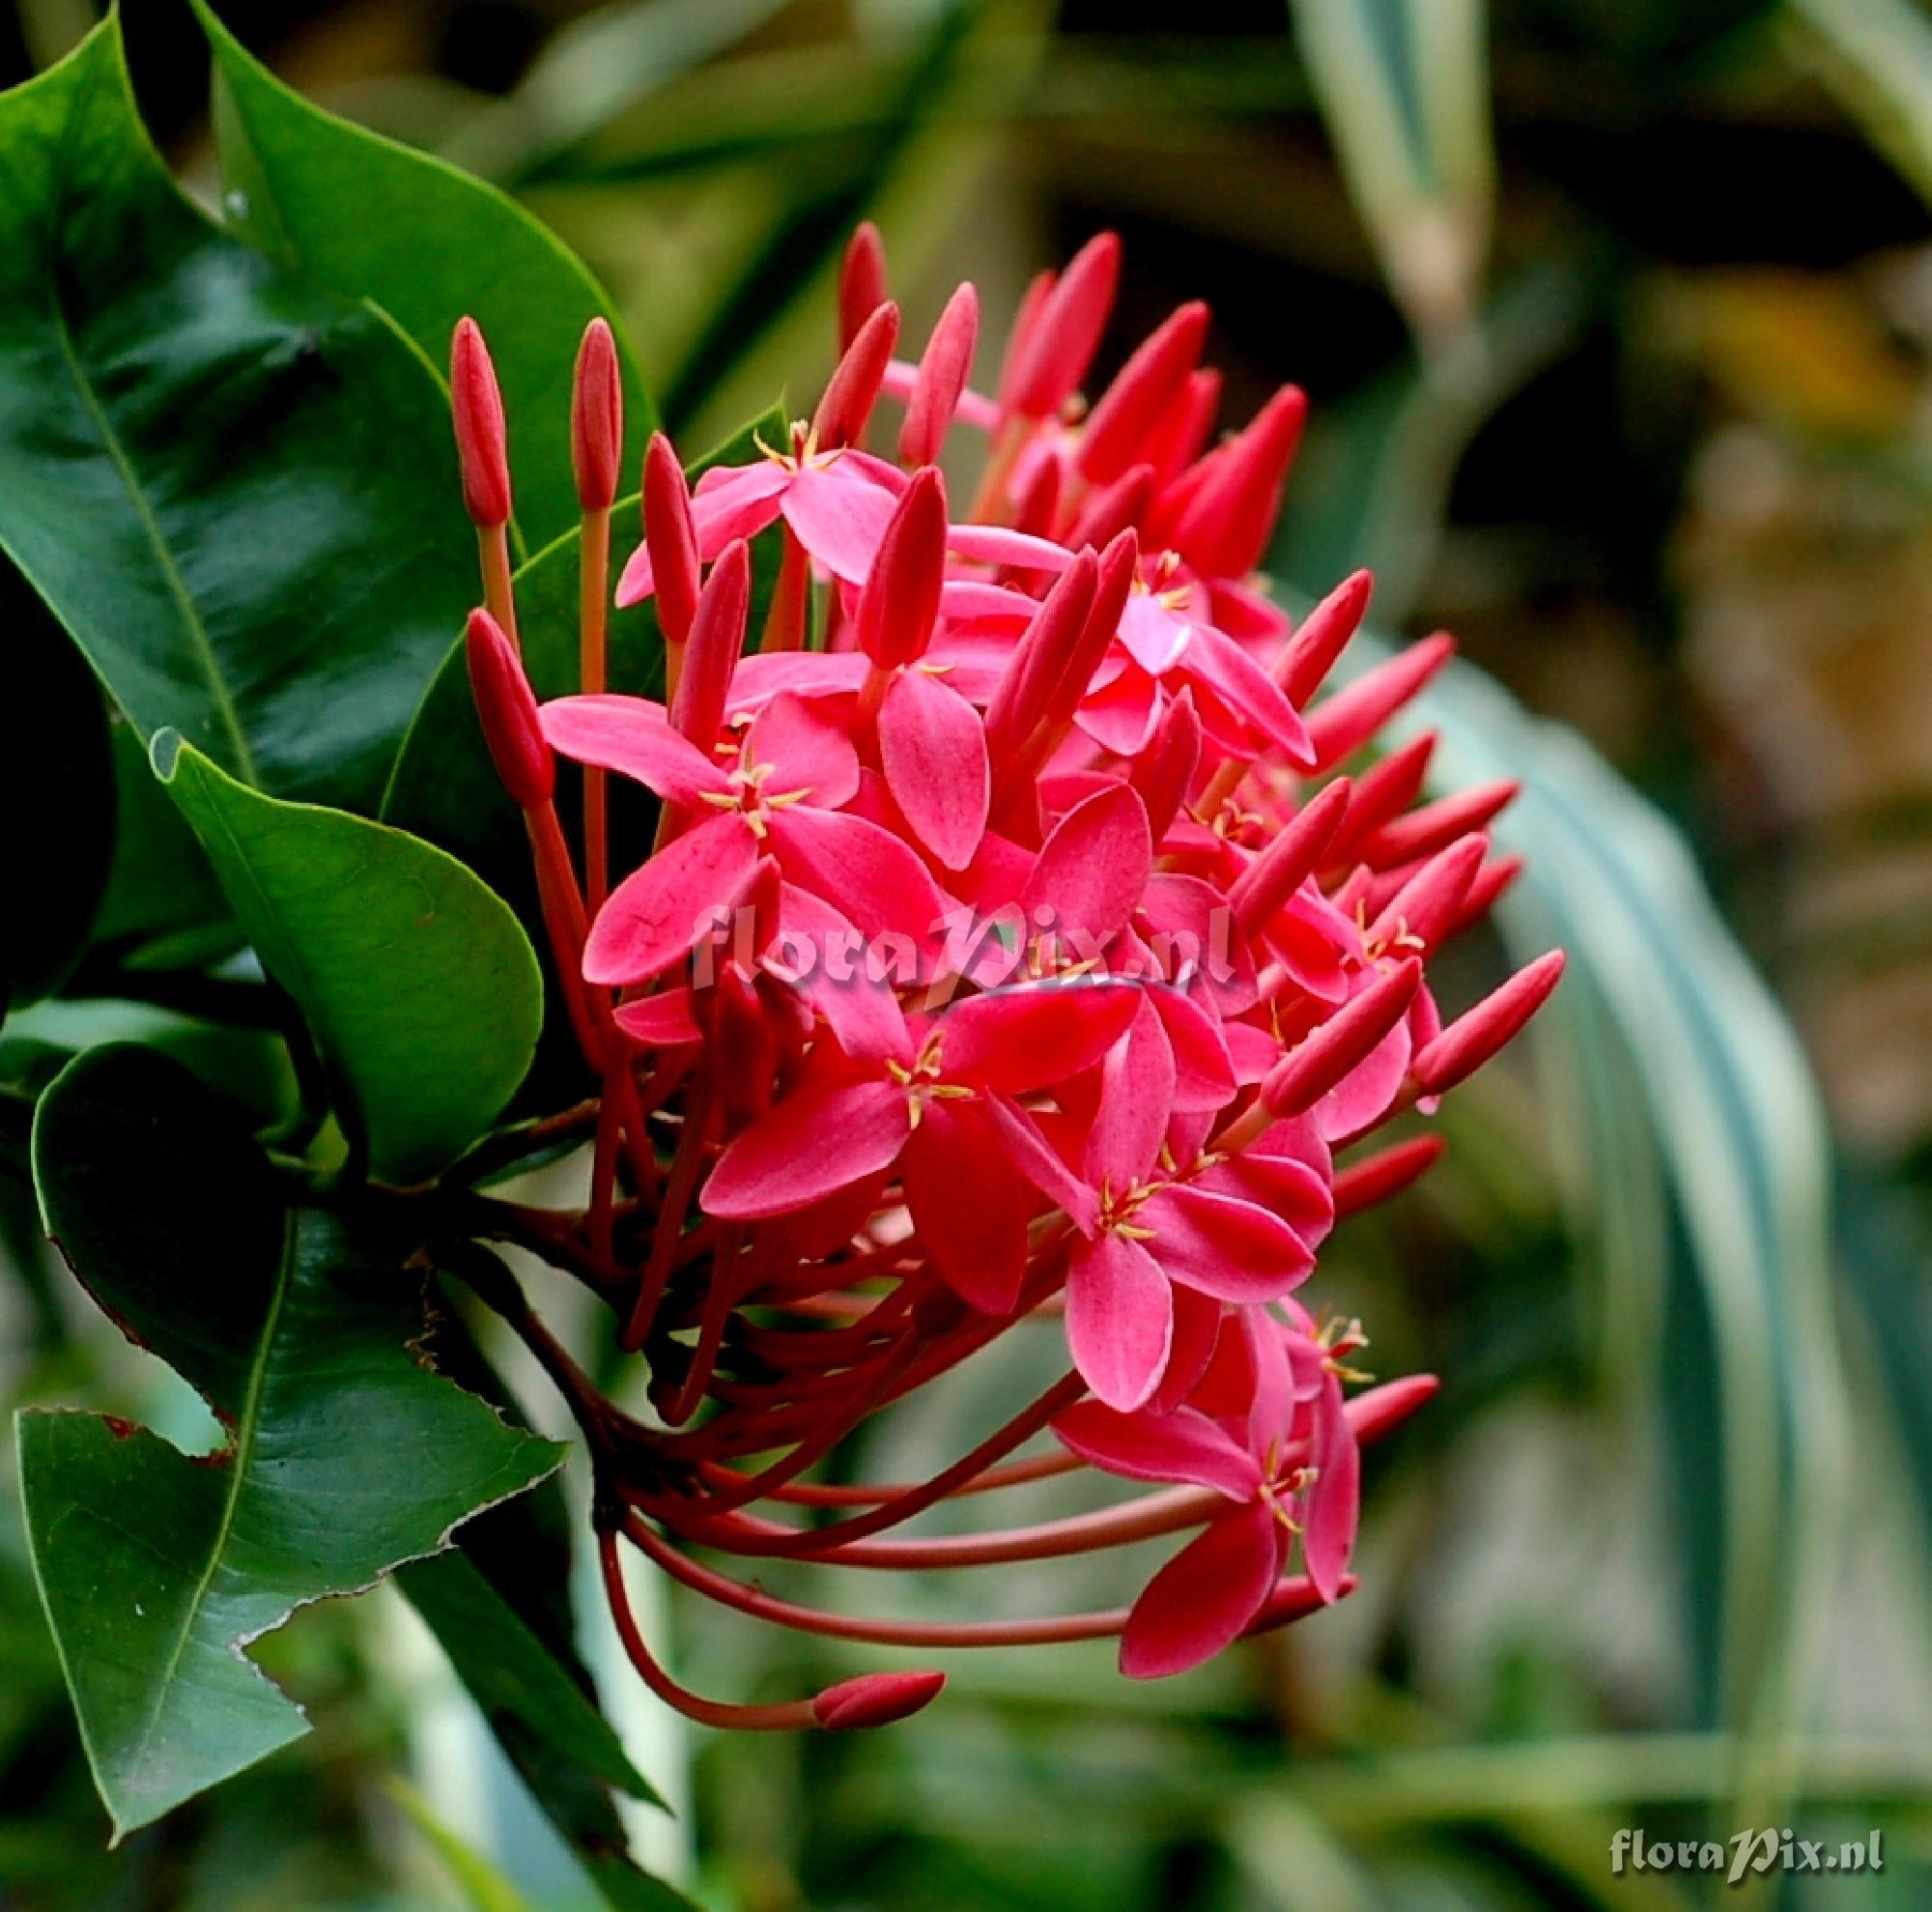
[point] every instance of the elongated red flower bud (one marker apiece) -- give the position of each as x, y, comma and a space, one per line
1061, 344
1112, 582
1388, 1172
481, 441
506, 708
1472, 1038
1164, 772
597, 418
716, 640
1332, 1048
1026, 321
673, 539
1114, 508
1426, 905
1288, 862
1134, 406
1020, 698
875, 1700
899, 604
1492, 880
1347, 719
1379, 1411
1182, 429
862, 281
1321, 637
1425, 831
1226, 528
1038, 507
1383, 792
942, 377
854, 387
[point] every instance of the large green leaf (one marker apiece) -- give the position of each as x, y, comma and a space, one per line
416, 981
428, 244
57, 783
344, 1455
236, 488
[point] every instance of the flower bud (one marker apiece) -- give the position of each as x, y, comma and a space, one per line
1038, 507
1134, 406
672, 540
1267, 882
899, 602
1112, 581
1164, 772
1388, 1172
1471, 1039
1491, 881
481, 444
1060, 345
1019, 699
506, 708
1321, 637
597, 418
1383, 792
1332, 1048
941, 378
1114, 508
1379, 1410
853, 389
716, 640
1226, 528
862, 281
1019, 344
1182, 429
1345, 722
874, 1699
1425, 831
1426, 904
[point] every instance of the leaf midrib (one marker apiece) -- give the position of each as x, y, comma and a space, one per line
240, 1457
204, 644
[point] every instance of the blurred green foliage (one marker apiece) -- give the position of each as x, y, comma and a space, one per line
1617, 317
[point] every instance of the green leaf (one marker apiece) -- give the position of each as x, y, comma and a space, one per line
374, 220
57, 786
481, 1883
344, 1455
416, 981
236, 488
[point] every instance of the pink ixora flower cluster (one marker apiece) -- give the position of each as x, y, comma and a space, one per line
1012, 951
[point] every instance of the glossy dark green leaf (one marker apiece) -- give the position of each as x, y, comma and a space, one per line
443, 786
373, 219
416, 981
346, 1456
234, 486
56, 770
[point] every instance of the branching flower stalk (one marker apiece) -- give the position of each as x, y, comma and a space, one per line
1014, 948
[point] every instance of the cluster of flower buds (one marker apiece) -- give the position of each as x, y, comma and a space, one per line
1012, 951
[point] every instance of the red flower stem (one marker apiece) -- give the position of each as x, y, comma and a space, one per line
710, 1332
683, 1180
602, 1177
787, 1717
1014, 1473
785, 620
564, 921
493, 551
989, 501
593, 627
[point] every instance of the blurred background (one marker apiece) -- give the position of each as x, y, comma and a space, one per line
1617, 320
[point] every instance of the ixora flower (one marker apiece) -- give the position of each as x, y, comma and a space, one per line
1014, 955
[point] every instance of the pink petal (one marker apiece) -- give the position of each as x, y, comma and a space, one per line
1241, 682
1205, 1596
995, 544
1153, 633
1026, 1038
635, 738
1299, 1194
933, 751
657, 913
1136, 1100
859, 869
840, 517
1184, 1447
1229, 1249
731, 502
1365, 1093
968, 1203
1093, 869
1035, 1158
1204, 1075
818, 1140
661, 1021
859, 1005
1333, 1503
1119, 1320
810, 674
1197, 1334
807, 750
1120, 715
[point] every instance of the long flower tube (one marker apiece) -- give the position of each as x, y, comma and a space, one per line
1028, 937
